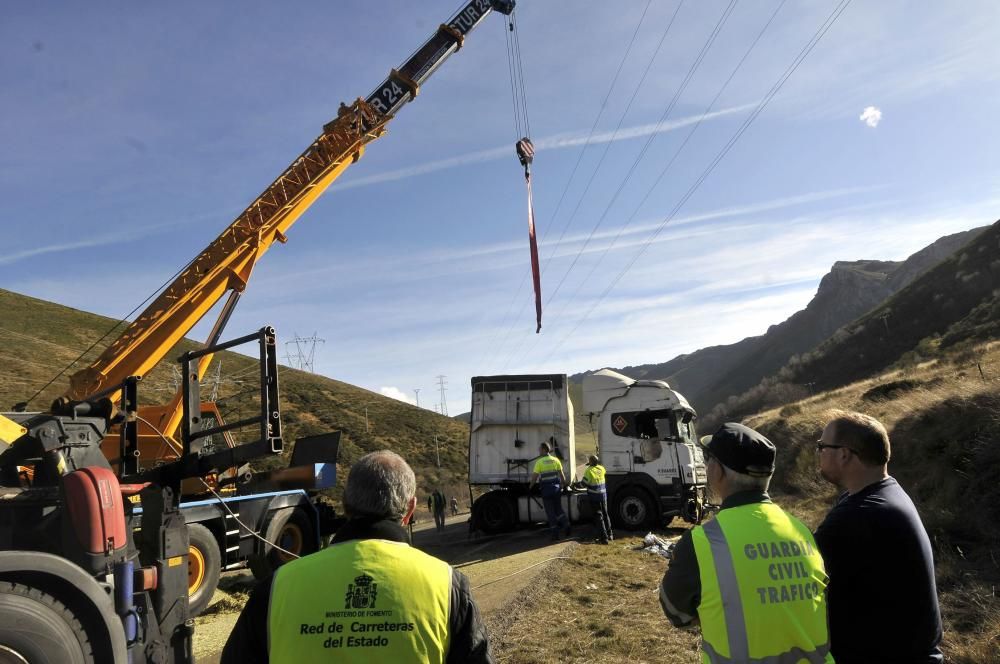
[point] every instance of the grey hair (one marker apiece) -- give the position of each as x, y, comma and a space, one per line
743, 482
380, 484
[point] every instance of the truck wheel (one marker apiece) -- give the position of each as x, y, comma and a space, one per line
634, 509
496, 514
204, 567
37, 627
292, 529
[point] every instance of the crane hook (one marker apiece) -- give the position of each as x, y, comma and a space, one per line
525, 153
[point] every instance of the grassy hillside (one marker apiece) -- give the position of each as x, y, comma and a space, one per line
40, 338
943, 417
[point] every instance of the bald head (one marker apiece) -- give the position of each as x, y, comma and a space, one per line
382, 485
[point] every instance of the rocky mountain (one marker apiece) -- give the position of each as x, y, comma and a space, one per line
955, 301
850, 290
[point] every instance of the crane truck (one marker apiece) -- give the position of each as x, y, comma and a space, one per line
93, 560
645, 437
222, 270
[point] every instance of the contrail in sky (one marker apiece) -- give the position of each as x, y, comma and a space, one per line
554, 142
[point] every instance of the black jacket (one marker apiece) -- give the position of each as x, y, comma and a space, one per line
882, 596
247, 643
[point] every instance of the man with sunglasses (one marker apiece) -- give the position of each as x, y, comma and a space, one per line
752, 577
882, 595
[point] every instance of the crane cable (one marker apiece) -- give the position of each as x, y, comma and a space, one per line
677, 151
493, 348
525, 152
24, 404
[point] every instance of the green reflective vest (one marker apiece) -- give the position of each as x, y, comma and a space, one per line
762, 588
360, 601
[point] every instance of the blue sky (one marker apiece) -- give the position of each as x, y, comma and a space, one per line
133, 133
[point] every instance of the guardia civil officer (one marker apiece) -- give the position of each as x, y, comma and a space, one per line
752, 577
369, 597
597, 494
883, 597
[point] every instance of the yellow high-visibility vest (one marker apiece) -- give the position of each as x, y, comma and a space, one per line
594, 479
360, 601
762, 588
548, 468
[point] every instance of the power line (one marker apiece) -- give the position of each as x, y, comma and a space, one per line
806, 50
652, 136
490, 346
673, 158
607, 147
692, 70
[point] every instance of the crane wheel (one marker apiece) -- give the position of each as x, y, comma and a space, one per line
292, 529
36, 627
204, 567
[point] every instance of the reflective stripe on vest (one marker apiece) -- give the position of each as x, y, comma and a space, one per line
594, 479
360, 601
763, 586
548, 468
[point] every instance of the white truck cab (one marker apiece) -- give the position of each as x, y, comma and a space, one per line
648, 444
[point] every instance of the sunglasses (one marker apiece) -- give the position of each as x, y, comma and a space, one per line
820, 446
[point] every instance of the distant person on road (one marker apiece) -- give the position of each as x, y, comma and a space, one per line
369, 596
436, 503
454, 506
597, 493
548, 475
752, 577
882, 595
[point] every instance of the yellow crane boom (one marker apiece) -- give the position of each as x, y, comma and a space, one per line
226, 264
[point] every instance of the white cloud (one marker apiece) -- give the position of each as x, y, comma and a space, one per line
871, 116
398, 394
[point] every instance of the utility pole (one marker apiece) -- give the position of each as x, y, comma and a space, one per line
416, 392
367, 429
442, 381
437, 450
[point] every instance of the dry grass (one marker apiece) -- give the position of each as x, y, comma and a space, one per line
943, 417
619, 621
944, 420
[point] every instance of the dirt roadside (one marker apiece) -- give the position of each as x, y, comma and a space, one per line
502, 570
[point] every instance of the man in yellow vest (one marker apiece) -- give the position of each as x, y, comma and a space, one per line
597, 494
548, 475
752, 577
369, 597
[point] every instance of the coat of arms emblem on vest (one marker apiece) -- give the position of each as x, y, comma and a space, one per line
361, 594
